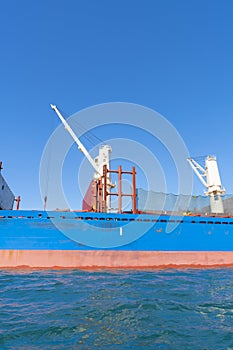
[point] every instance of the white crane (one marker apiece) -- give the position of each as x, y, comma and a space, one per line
211, 180
97, 163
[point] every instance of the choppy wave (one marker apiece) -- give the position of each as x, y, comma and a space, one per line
120, 309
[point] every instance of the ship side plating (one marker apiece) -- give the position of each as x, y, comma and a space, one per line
76, 239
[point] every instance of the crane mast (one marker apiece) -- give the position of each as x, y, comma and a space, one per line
210, 178
102, 159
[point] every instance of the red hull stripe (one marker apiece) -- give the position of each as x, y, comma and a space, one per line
112, 259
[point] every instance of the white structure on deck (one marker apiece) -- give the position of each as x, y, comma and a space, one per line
102, 159
211, 180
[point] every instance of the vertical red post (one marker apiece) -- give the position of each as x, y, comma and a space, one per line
17, 202
100, 196
96, 195
134, 192
105, 186
119, 189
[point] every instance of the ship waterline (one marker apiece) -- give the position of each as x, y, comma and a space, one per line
112, 259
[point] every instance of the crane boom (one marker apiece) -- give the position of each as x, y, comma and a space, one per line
199, 170
212, 182
76, 139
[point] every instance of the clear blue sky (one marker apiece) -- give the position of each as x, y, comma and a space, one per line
173, 56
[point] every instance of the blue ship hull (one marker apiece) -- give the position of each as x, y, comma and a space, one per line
81, 239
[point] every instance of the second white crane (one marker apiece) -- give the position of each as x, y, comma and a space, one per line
211, 180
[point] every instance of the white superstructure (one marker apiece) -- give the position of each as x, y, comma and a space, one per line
104, 159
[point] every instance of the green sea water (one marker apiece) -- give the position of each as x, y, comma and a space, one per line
116, 309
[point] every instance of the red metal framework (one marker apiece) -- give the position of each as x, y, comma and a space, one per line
102, 190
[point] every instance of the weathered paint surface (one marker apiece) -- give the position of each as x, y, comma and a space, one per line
112, 259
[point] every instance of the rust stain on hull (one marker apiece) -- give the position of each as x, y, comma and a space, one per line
112, 259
